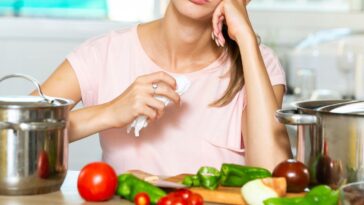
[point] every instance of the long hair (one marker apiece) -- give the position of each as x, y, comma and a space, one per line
236, 71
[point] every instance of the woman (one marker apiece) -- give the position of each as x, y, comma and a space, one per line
226, 115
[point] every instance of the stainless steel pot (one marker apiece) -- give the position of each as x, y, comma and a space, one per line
33, 142
330, 139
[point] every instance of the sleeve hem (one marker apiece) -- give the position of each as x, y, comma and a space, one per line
81, 77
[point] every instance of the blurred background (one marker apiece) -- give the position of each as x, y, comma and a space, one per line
319, 42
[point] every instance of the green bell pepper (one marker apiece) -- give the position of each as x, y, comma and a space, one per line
129, 186
323, 195
191, 181
319, 195
209, 177
286, 201
238, 175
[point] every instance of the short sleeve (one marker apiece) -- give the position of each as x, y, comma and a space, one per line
274, 68
87, 61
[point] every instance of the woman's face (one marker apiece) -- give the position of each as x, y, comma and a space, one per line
196, 9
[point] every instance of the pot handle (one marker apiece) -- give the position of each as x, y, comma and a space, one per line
27, 126
290, 116
5, 125
31, 79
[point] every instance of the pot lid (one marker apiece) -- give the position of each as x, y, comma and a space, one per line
356, 107
32, 102
340, 107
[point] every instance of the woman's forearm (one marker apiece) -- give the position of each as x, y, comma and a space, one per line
266, 141
87, 121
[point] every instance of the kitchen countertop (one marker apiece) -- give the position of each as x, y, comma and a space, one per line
67, 195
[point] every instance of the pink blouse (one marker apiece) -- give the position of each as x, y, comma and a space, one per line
186, 137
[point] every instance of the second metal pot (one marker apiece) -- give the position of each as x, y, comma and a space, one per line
329, 142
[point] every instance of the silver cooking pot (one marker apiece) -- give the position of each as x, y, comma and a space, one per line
330, 139
33, 142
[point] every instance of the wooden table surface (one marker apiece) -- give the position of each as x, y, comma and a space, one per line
67, 195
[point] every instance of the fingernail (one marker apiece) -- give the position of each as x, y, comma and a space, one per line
212, 36
221, 41
217, 42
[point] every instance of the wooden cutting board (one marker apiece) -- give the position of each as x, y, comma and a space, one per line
221, 195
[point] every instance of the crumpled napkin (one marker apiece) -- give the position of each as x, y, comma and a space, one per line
141, 121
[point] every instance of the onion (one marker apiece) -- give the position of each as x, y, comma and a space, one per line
296, 174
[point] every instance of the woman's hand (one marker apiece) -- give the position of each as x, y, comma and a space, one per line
138, 99
234, 14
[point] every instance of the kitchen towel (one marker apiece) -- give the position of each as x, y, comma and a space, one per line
141, 121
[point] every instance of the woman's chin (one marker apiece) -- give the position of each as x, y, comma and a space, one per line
195, 9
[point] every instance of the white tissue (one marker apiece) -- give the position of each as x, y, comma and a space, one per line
141, 122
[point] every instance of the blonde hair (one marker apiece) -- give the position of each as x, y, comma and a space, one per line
236, 72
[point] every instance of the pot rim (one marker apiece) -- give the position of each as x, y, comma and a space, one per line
326, 108
28, 102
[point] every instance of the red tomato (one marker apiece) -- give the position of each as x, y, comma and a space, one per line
43, 165
97, 182
184, 193
166, 200
195, 199
142, 198
178, 200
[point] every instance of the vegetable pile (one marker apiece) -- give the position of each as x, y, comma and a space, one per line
98, 182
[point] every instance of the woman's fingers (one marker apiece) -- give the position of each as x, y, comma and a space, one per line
221, 36
149, 112
157, 105
217, 22
158, 77
215, 18
163, 89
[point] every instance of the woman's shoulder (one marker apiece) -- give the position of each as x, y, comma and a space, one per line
119, 35
267, 52
273, 65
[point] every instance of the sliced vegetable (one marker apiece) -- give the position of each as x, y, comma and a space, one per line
258, 190
238, 175
97, 182
296, 174
129, 186
209, 177
191, 181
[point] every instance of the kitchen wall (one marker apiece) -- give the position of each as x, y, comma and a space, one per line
37, 46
